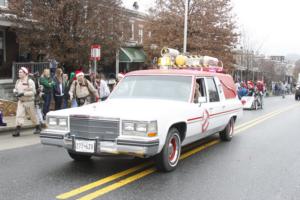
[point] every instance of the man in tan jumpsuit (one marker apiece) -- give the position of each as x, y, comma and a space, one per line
25, 91
82, 89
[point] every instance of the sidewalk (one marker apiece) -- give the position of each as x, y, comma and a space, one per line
11, 124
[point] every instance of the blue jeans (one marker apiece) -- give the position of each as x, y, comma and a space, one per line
65, 102
47, 100
58, 102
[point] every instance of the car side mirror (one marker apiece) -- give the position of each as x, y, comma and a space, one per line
201, 99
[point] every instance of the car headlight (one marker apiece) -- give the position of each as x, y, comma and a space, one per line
139, 128
57, 123
62, 122
52, 121
128, 126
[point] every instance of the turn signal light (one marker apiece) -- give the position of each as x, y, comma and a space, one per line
152, 134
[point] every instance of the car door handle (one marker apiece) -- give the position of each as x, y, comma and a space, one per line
211, 108
223, 106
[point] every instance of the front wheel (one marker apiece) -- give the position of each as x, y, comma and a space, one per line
79, 157
168, 158
227, 133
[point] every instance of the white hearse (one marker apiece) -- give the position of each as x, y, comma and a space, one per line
149, 113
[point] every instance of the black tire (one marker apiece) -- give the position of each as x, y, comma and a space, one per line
227, 133
168, 158
79, 157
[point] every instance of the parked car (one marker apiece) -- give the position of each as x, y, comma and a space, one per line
149, 113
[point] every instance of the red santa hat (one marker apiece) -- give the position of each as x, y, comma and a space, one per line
24, 69
79, 73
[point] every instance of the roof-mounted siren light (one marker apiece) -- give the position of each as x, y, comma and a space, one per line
164, 62
212, 64
168, 58
169, 52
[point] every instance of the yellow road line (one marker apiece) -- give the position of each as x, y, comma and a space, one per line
142, 174
255, 123
200, 148
102, 181
146, 172
264, 119
261, 117
119, 184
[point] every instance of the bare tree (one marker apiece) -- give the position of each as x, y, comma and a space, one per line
211, 27
65, 29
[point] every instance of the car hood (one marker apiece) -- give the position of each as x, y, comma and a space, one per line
131, 109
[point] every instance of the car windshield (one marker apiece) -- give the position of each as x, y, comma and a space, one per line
176, 88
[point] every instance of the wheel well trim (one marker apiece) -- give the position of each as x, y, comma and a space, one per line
181, 127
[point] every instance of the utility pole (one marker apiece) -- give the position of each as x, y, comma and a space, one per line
185, 25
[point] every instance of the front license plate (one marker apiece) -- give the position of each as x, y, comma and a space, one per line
86, 146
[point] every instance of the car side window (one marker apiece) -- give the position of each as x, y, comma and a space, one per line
199, 89
212, 90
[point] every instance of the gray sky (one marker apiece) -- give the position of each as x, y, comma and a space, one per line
273, 26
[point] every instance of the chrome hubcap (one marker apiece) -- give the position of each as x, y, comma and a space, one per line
173, 149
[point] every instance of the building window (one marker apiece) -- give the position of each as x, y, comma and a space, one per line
141, 32
2, 47
132, 30
3, 3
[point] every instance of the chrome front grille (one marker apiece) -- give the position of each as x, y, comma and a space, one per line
92, 128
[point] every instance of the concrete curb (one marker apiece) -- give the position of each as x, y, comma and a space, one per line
4, 129
11, 124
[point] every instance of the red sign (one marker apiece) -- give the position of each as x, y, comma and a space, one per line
95, 52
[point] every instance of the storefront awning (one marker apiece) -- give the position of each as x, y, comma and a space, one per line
131, 55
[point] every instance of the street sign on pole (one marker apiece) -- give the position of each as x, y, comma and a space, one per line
95, 55
95, 52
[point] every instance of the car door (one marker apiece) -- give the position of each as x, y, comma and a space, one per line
215, 105
196, 120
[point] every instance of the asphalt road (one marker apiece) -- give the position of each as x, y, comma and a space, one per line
261, 162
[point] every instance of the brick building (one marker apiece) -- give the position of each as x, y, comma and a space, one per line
9, 48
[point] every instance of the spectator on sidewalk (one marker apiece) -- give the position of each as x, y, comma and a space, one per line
102, 88
71, 80
59, 88
47, 83
66, 91
38, 100
25, 91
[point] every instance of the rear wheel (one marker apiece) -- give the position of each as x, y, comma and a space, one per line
79, 157
227, 133
168, 158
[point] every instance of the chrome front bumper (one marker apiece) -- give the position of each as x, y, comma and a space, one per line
140, 148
